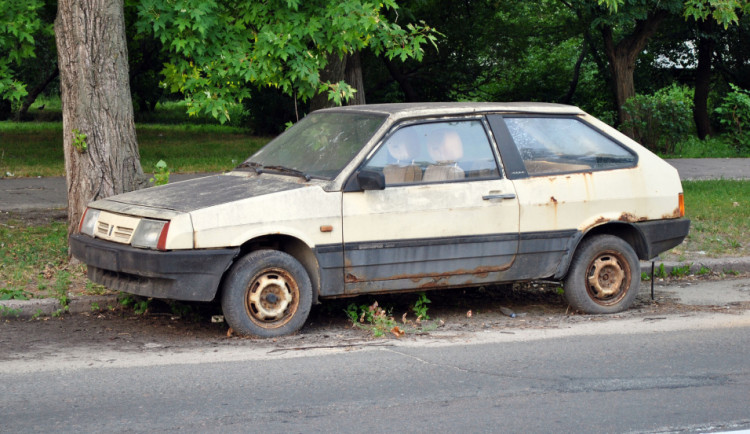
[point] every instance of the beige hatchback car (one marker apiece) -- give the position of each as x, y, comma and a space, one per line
399, 197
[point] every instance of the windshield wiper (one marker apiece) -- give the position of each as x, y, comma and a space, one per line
251, 164
283, 169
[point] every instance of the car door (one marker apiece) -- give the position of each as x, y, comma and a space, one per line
446, 217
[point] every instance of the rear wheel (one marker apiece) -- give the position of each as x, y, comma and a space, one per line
604, 276
267, 293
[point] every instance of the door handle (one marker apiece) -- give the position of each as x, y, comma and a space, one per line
499, 196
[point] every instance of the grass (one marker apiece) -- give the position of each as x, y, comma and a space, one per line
720, 215
33, 261
35, 149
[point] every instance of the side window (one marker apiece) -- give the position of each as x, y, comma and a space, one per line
435, 152
555, 145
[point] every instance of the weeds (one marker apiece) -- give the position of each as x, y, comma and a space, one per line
680, 271
138, 304
420, 307
14, 294
380, 322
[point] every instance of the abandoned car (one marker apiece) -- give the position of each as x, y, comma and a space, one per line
397, 197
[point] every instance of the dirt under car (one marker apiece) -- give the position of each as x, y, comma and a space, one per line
400, 197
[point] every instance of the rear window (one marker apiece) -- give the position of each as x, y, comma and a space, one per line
557, 145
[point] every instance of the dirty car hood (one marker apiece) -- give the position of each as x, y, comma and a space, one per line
194, 194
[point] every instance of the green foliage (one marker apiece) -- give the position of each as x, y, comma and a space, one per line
704, 271
79, 141
14, 294
161, 173
420, 307
680, 271
19, 20
139, 305
373, 318
661, 120
734, 114
219, 48
660, 272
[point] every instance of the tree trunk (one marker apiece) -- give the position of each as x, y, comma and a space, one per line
353, 73
568, 98
706, 45
623, 55
349, 69
409, 93
35, 92
95, 93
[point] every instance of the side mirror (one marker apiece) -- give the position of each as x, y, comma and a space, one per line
371, 180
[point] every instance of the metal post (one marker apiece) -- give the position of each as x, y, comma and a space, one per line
652, 280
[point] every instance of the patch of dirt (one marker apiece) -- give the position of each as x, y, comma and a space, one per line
34, 217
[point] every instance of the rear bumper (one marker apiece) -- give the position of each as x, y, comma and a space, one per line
662, 235
192, 275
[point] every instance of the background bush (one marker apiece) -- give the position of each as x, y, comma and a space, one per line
734, 116
662, 120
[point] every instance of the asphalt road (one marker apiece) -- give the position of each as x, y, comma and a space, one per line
685, 371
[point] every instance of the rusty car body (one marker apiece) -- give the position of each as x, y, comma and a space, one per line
397, 197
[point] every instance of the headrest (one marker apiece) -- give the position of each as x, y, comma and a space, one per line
445, 145
404, 145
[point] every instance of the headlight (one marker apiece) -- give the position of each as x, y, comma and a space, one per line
151, 234
88, 221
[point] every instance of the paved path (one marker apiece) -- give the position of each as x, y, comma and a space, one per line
45, 193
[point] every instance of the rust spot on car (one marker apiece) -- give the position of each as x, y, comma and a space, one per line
552, 199
631, 218
433, 279
350, 278
675, 214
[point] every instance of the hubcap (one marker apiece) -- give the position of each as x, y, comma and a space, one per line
607, 278
272, 298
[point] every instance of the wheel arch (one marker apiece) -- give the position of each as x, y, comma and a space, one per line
628, 232
293, 246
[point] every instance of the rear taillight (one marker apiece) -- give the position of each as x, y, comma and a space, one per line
681, 199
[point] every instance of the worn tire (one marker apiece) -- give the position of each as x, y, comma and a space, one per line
267, 293
604, 276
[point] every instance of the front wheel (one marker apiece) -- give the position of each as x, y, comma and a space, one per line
604, 276
267, 293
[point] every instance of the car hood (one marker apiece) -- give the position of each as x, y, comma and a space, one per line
194, 194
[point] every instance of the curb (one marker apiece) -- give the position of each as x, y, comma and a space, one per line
719, 265
27, 309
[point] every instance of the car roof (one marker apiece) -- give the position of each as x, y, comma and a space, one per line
449, 108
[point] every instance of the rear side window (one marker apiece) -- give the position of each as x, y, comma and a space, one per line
557, 145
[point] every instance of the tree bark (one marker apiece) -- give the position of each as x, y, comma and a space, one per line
410, 94
353, 76
35, 92
568, 98
347, 68
706, 45
96, 101
623, 55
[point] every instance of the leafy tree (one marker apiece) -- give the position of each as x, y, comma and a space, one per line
19, 21
218, 48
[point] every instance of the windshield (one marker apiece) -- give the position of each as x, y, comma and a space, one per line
319, 146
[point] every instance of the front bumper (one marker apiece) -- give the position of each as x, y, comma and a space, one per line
191, 275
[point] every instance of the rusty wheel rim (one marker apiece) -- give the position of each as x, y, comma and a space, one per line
272, 298
608, 278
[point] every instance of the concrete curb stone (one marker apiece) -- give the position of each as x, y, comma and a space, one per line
27, 309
